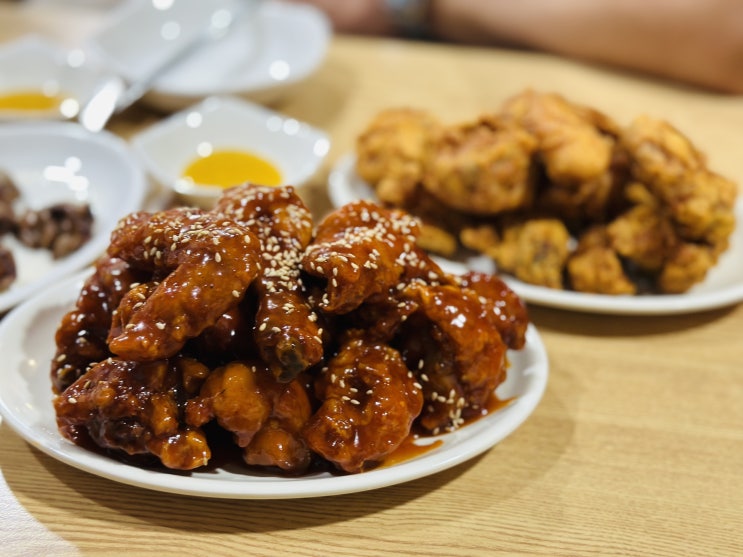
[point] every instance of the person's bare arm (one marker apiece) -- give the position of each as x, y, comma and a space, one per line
694, 41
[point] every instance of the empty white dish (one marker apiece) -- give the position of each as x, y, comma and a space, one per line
166, 149
269, 47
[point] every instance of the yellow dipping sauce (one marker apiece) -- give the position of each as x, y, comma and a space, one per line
32, 101
227, 168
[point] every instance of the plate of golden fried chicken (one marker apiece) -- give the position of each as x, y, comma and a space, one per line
571, 208
246, 352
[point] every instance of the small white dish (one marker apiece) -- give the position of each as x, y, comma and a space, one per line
33, 65
270, 48
295, 148
26, 405
722, 287
53, 162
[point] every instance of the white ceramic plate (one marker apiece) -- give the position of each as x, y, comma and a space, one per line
33, 63
27, 345
723, 285
295, 148
272, 47
61, 162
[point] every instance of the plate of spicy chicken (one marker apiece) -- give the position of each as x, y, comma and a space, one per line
572, 208
338, 359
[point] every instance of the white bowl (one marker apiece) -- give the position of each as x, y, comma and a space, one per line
269, 48
54, 162
34, 64
166, 148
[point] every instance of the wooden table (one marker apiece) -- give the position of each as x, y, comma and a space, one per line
635, 449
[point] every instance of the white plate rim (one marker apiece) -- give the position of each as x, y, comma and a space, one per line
97, 244
528, 366
344, 186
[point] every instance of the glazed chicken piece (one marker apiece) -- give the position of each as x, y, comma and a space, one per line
482, 168
286, 327
455, 350
370, 400
81, 336
503, 306
265, 416
202, 263
391, 153
134, 408
360, 250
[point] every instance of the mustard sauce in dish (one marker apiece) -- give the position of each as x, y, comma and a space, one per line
231, 167
30, 101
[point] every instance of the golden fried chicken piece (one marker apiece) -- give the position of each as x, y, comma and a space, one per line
576, 146
286, 329
482, 168
534, 251
264, 415
574, 141
453, 345
370, 401
202, 263
437, 240
391, 151
81, 336
643, 234
686, 265
700, 202
360, 250
132, 407
594, 267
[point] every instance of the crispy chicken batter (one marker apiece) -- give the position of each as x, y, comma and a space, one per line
518, 183
595, 267
391, 152
482, 168
699, 201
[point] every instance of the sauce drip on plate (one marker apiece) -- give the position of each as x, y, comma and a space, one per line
231, 167
30, 100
